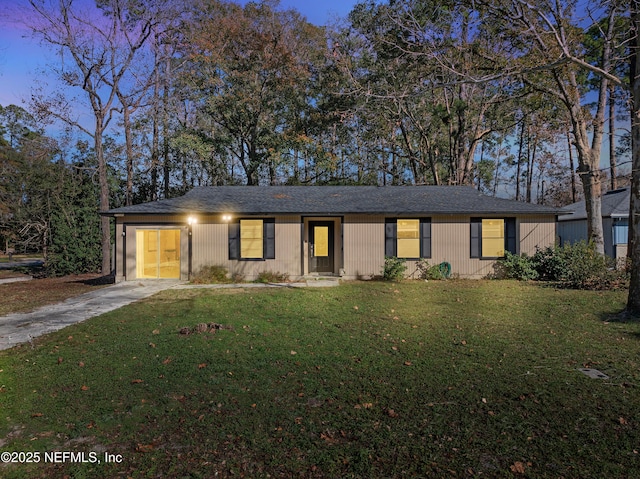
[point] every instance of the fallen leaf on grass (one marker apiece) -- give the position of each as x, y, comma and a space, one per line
622, 420
37, 414
293, 353
144, 448
166, 361
137, 381
84, 388
60, 360
519, 467
391, 413
155, 331
202, 365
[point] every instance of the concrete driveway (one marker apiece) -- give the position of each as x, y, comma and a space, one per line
20, 328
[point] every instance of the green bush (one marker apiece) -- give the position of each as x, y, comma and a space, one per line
579, 266
513, 266
394, 268
576, 266
272, 277
551, 263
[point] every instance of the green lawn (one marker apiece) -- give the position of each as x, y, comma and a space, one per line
371, 380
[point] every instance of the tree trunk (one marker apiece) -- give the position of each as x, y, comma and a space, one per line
126, 117
572, 166
612, 140
105, 224
589, 146
519, 160
633, 301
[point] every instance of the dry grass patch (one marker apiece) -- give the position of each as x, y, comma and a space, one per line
26, 296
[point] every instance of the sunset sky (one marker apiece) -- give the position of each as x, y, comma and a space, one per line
22, 58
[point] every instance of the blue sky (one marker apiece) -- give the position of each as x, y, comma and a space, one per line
22, 58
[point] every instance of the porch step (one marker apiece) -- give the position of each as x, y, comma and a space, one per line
322, 281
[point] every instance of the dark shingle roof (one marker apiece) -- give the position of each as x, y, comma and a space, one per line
615, 204
335, 200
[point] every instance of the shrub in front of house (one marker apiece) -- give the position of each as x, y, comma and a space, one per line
576, 266
514, 266
394, 268
211, 274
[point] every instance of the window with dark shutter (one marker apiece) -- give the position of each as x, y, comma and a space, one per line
252, 239
490, 238
269, 236
390, 240
425, 238
476, 238
234, 240
408, 237
511, 244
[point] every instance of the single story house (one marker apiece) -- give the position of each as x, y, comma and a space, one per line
572, 227
343, 231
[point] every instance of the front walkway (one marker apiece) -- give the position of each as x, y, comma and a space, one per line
20, 328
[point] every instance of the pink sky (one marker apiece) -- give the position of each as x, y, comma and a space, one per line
21, 57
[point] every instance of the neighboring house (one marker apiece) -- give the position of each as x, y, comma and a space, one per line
324, 230
572, 227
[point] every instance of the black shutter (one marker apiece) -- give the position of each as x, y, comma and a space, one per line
425, 238
234, 240
390, 237
476, 237
510, 237
269, 238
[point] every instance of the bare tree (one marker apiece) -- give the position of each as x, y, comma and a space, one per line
547, 36
96, 49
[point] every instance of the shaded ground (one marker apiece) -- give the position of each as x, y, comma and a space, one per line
30, 295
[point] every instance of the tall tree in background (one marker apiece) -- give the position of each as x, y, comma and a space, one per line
404, 59
251, 67
633, 300
97, 49
551, 57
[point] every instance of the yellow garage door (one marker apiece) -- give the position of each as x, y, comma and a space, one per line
157, 253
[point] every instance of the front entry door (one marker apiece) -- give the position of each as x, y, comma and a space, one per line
321, 246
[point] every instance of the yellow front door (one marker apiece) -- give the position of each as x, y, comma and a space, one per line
158, 253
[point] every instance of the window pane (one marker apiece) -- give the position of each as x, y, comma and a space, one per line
321, 241
146, 253
408, 238
492, 238
408, 248
251, 238
169, 254
408, 229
